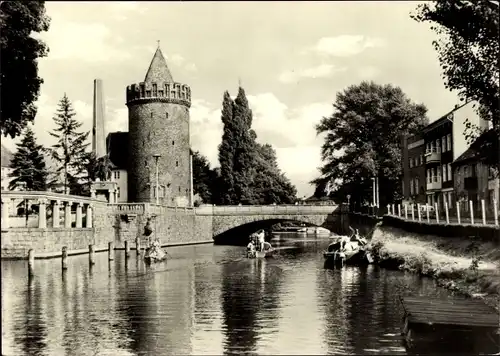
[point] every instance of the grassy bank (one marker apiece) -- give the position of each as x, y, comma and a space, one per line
463, 265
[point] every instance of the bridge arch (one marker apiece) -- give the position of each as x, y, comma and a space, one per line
235, 231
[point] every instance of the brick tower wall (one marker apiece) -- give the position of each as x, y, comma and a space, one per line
159, 124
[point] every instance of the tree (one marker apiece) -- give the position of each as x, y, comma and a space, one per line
204, 178
69, 151
20, 83
270, 184
227, 150
28, 164
249, 172
363, 138
468, 51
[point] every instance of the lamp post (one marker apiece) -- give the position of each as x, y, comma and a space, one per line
156, 156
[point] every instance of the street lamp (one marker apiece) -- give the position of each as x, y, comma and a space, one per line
156, 156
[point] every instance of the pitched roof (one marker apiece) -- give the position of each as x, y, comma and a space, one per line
117, 148
6, 156
158, 70
476, 149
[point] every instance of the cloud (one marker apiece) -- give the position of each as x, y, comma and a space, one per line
321, 71
368, 72
90, 42
345, 45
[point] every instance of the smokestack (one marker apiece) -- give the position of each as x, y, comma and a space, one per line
98, 139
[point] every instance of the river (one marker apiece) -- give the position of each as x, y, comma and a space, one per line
205, 300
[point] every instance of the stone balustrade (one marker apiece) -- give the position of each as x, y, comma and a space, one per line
51, 203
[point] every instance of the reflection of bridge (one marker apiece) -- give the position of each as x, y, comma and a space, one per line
236, 220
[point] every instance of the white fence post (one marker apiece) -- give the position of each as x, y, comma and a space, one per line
388, 209
427, 210
446, 212
495, 211
406, 211
413, 212
458, 212
483, 211
436, 212
471, 206
399, 210
419, 213
393, 210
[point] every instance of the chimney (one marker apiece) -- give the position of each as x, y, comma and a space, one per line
98, 139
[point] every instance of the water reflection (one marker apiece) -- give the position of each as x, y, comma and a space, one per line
204, 300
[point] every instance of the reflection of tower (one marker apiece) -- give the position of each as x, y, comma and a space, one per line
98, 139
159, 125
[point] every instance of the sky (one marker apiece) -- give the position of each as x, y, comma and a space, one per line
292, 58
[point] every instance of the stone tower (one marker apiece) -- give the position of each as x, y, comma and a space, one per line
158, 121
98, 139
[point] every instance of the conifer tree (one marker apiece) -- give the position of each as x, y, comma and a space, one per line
69, 151
28, 164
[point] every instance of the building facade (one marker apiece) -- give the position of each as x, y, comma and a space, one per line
414, 169
117, 147
427, 157
474, 180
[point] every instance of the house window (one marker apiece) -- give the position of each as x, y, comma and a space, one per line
148, 93
443, 144
179, 189
417, 183
166, 115
450, 175
118, 192
448, 141
438, 146
155, 90
173, 143
411, 162
466, 171
117, 174
445, 173
177, 164
411, 186
160, 92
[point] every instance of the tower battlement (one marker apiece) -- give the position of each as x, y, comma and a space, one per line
166, 92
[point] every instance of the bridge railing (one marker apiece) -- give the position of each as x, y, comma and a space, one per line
265, 210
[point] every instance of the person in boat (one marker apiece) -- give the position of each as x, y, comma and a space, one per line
148, 230
261, 240
250, 247
356, 237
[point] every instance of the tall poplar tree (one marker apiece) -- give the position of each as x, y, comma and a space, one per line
244, 158
227, 150
28, 164
69, 150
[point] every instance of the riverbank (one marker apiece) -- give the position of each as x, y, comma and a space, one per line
462, 265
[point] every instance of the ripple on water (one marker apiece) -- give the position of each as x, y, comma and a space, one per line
204, 300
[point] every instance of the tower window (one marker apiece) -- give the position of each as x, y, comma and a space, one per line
148, 93
154, 90
151, 114
160, 92
173, 143
177, 163
166, 115
145, 163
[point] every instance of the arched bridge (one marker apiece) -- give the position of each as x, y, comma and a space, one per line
228, 221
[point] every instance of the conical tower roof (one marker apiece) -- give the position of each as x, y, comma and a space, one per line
158, 70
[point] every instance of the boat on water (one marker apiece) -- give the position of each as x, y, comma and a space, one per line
154, 253
348, 251
258, 247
